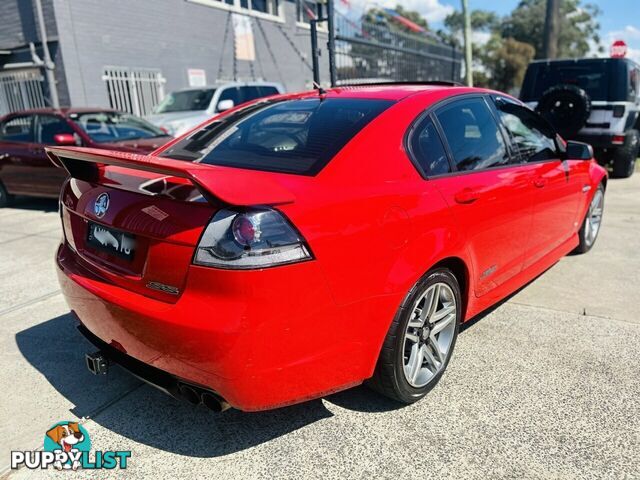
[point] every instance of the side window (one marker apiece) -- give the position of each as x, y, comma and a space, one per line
533, 138
231, 93
48, 126
17, 129
428, 150
473, 135
266, 91
250, 93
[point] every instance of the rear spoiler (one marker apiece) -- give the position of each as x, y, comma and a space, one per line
233, 186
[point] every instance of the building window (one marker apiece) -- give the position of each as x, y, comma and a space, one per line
307, 10
266, 8
21, 90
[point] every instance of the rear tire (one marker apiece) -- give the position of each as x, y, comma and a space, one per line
624, 158
592, 222
414, 357
5, 197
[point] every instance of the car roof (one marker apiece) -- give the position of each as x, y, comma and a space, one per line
572, 61
391, 91
231, 84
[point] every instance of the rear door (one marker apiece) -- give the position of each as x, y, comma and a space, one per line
490, 197
558, 183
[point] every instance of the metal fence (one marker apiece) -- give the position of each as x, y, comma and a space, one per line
134, 91
366, 52
20, 90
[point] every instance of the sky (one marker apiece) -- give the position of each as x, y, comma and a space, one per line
620, 19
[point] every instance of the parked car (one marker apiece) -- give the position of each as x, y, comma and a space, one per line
182, 110
307, 243
594, 100
24, 166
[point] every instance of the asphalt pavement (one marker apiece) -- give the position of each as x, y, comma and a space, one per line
546, 385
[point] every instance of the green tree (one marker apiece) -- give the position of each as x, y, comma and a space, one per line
481, 21
506, 60
578, 26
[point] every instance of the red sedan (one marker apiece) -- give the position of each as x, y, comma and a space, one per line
304, 244
24, 166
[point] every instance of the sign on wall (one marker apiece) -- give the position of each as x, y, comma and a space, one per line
197, 77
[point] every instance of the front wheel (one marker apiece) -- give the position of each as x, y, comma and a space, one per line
593, 219
421, 338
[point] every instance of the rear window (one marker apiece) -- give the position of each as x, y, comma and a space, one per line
591, 77
290, 136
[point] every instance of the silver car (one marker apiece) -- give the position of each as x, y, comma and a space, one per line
182, 110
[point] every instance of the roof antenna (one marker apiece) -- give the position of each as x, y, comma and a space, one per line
321, 91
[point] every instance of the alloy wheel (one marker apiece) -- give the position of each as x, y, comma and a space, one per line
429, 334
594, 217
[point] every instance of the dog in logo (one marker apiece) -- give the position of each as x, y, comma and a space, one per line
67, 436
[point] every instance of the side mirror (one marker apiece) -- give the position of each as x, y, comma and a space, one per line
224, 105
579, 151
65, 139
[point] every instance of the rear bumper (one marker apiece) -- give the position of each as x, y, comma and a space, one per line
258, 339
599, 141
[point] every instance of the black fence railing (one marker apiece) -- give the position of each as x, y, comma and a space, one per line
369, 53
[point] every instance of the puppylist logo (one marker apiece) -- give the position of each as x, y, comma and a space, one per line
67, 447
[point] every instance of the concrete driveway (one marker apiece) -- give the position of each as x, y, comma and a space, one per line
544, 386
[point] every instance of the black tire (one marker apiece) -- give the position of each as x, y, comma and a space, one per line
5, 198
566, 107
624, 158
389, 377
587, 243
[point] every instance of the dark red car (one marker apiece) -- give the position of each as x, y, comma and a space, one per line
303, 244
24, 166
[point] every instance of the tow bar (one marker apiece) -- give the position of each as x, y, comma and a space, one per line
97, 363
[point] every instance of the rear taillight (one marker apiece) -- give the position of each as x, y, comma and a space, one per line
618, 140
618, 111
255, 238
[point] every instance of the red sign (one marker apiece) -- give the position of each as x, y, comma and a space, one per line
618, 49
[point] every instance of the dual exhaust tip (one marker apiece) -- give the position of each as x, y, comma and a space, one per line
98, 364
208, 399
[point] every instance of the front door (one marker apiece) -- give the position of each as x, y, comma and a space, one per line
556, 181
491, 197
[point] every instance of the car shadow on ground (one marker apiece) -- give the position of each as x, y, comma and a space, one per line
143, 414
28, 203
124, 405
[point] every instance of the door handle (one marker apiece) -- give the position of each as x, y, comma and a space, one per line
467, 195
540, 182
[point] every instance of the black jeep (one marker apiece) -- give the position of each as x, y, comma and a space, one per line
595, 100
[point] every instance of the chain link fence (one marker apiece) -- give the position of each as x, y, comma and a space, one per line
369, 53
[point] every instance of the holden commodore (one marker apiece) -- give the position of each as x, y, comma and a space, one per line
306, 243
